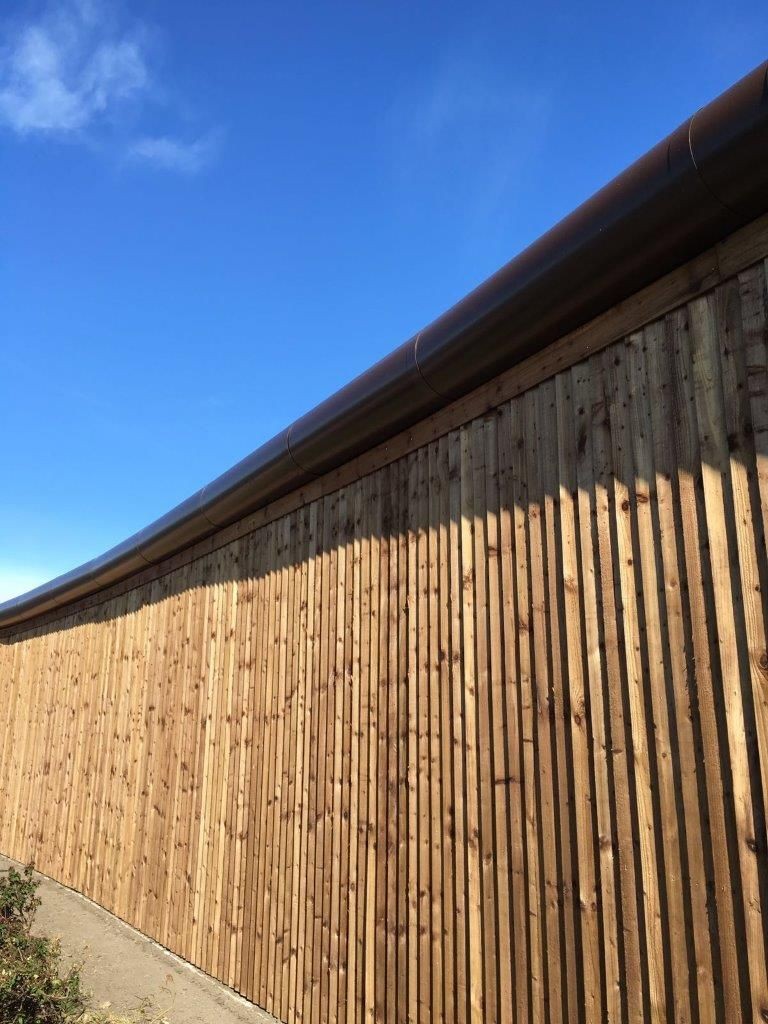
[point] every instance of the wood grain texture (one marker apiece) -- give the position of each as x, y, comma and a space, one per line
478, 735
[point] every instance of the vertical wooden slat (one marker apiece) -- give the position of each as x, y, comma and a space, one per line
626, 588
596, 686
458, 729
471, 793
260, 949
253, 822
386, 842
369, 962
517, 977
448, 811
402, 626
486, 816
410, 715
306, 868
435, 768
421, 680
563, 977
545, 706
533, 976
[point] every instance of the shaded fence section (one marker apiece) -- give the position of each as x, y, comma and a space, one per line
482, 736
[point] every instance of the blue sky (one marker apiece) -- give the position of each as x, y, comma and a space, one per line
213, 215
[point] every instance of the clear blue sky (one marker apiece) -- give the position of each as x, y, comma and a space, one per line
213, 215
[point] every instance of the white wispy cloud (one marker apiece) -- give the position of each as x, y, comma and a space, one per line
464, 115
175, 154
68, 68
76, 68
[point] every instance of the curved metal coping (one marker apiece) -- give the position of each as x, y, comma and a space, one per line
703, 181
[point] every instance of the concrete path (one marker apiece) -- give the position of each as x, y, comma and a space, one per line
122, 966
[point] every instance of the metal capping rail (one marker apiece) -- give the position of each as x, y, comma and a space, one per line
709, 177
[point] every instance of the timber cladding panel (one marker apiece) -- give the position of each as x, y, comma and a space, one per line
480, 736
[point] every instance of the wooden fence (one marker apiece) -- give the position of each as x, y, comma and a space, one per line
480, 735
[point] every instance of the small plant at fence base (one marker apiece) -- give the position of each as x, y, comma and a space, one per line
34, 989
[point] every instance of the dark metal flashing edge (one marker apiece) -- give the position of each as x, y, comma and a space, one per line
438, 394
295, 461
662, 211
715, 197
